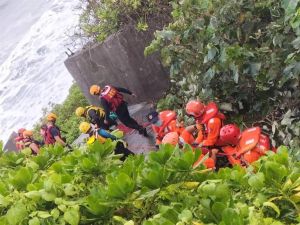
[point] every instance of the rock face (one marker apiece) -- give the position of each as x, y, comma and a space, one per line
10, 144
120, 61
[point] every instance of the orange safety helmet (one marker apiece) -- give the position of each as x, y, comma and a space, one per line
251, 156
195, 108
95, 89
230, 134
167, 115
28, 133
171, 138
51, 117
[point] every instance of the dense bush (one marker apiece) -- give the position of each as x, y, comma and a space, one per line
67, 120
101, 18
243, 54
91, 186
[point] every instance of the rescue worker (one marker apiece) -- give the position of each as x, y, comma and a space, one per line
208, 122
52, 133
113, 101
19, 139
173, 139
101, 135
29, 142
164, 123
244, 148
95, 115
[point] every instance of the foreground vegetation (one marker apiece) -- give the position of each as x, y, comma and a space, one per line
92, 186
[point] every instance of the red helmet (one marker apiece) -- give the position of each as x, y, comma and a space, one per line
21, 130
195, 108
171, 138
167, 115
230, 134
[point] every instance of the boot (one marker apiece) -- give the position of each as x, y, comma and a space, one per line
143, 131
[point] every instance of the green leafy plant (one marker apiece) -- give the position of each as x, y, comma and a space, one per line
92, 186
67, 120
100, 19
242, 54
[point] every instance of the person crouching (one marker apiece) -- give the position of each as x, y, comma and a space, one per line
99, 134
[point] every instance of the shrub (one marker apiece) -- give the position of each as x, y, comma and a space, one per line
242, 54
67, 121
100, 19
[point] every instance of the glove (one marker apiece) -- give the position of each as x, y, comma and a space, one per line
195, 144
200, 127
123, 142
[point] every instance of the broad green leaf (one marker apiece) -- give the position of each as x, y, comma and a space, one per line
4, 202
222, 192
212, 51
43, 214
218, 208
185, 216
34, 195
257, 181
296, 43
97, 208
34, 221
3, 189
163, 155
275, 171
72, 216
207, 189
87, 164
255, 68
70, 190
120, 186
55, 213
22, 177
48, 196
168, 35
34, 166
231, 217
289, 7
152, 176
16, 214
273, 206
243, 209
169, 213
130, 222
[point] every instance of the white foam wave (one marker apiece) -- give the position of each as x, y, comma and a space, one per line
34, 74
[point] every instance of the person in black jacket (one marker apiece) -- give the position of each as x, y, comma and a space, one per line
95, 115
112, 100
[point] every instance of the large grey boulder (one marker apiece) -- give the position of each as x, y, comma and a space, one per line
120, 61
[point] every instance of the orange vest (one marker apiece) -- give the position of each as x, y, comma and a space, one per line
212, 121
112, 96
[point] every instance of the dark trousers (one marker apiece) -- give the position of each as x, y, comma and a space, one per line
121, 149
125, 118
100, 124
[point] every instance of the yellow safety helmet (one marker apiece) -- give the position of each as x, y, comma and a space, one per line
51, 117
28, 133
95, 89
84, 127
79, 111
91, 140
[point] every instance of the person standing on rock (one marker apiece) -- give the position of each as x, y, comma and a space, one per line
52, 133
19, 139
112, 100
